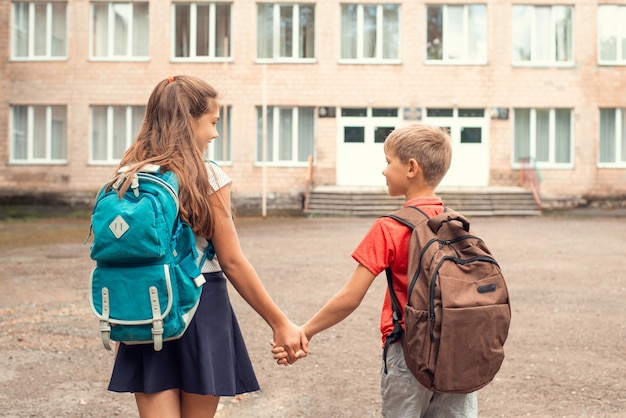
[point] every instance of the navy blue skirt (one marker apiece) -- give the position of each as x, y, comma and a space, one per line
209, 359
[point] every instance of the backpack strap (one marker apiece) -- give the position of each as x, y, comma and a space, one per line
396, 334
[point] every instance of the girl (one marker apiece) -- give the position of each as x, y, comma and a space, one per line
187, 377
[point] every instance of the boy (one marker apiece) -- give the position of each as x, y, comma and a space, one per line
418, 157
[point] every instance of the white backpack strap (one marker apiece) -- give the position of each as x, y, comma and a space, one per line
157, 320
105, 325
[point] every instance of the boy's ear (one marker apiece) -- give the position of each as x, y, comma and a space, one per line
414, 168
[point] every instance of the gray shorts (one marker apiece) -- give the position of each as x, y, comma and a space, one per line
403, 396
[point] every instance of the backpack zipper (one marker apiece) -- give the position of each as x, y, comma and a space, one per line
433, 282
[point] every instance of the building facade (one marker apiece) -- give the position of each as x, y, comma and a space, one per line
517, 83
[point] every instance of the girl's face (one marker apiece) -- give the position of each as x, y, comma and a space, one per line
205, 128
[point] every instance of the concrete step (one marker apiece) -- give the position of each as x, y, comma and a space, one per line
342, 201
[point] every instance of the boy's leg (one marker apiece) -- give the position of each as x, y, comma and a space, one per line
402, 395
453, 405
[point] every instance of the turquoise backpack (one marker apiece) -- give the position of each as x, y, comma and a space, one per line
146, 285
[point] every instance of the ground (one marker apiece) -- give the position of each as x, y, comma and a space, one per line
565, 355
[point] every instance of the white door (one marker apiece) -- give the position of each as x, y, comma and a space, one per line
361, 134
469, 129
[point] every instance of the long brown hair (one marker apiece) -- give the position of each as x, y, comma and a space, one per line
166, 138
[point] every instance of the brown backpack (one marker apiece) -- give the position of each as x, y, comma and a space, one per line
458, 313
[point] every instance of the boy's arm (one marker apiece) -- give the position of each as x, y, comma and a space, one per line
340, 306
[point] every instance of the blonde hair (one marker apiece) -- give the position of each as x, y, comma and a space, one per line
428, 145
166, 138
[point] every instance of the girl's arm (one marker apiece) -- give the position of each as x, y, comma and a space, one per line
246, 281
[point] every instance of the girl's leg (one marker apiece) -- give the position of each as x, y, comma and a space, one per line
164, 404
197, 406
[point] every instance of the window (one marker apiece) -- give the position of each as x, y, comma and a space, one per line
219, 149
39, 134
285, 31
542, 35
544, 135
119, 30
457, 33
39, 30
289, 135
202, 31
370, 32
113, 130
611, 35
612, 149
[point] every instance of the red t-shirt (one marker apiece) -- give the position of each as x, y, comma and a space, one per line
387, 244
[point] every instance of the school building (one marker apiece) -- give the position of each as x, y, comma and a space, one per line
523, 84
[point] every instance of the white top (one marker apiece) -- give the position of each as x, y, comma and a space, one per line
218, 179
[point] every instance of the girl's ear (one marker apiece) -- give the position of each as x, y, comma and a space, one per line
414, 168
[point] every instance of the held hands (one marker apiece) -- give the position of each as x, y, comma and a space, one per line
290, 345
281, 354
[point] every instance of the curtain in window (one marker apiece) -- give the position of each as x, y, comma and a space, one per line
369, 31
543, 42
265, 31
20, 29
285, 133
286, 31
348, 31
58, 143
608, 27
623, 136
203, 29
390, 31
20, 132
270, 134
40, 127
606, 150
59, 29
521, 148
307, 32
141, 30
100, 39
477, 30
562, 136
563, 32
306, 128
454, 36
122, 14
119, 131
182, 22
522, 24
41, 29
99, 133
222, 30
542, 135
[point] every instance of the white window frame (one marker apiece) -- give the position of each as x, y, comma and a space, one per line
110, 54
535, 42
110, 131
276, 34
360, 39
222, 143
274, 159
619, 140
611, 18
551, 163
466, 38
30, 136
193, 33
30, 32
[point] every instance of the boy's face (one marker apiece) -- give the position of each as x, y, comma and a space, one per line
396, 174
